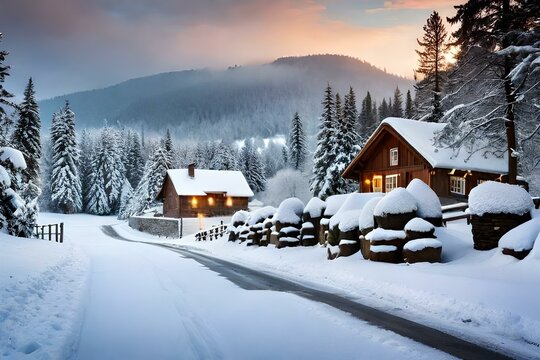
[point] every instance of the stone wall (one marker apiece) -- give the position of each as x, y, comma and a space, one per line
159, 226
489, 228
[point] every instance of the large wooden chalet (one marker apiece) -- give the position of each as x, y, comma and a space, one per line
196, 192
401, 150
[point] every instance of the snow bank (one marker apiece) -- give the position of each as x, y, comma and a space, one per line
290, 211
333, 203
493, 197
240, 216
380, 234
354, 201
315, 207
349, 220
366, 216
429, 205
397, 201
421, 244
15, 157
382, 248
259, 215
348, 242
522, 237
419, 225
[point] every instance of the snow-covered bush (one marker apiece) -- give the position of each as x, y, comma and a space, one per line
315, 208
429, 205
521, 238
290, 211
259, 215
397, 201
287, 183
333, 204
366, 221
493, 197
354, 201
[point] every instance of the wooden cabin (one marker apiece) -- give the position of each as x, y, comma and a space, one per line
197, 192
401, 150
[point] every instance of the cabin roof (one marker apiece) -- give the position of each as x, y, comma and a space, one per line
420, 136
230, 183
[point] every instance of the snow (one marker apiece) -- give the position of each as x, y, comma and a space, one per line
419, 225
315, 207
14, 156
289, 239
348, 242
380, 234
382, 248
522, 237
4, 177
366, 220
261, 214
290, 211
397, 201
429, 205
493, 197
354, 201
231, 183
421, 137
333, 203
421, 244
349, 220
240, 216
325, 221
307, 225
288, 229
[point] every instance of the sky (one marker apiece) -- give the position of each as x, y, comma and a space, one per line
73, 45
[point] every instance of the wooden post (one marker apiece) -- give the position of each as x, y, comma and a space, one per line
50, 235
61, 232
56, 232
43, 232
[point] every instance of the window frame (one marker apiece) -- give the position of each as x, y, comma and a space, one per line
458, 185
373, 181
386, 182
394, 160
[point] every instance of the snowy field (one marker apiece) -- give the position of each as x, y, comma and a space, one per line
483, 296
95, 297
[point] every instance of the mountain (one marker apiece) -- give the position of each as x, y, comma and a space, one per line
257, 100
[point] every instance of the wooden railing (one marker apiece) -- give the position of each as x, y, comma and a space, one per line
50, 232
212, 233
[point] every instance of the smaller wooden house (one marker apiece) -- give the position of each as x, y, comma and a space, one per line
197, 192
401, 150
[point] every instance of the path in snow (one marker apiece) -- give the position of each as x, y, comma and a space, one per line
146, 302
250, 279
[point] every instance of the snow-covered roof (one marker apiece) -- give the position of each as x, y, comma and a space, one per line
232, 183
421, 136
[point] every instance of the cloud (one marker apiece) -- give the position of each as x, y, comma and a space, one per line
414, 5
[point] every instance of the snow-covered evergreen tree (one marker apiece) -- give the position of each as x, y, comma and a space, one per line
324, 154
86, 147
297, 144
252, 167
384, 110
168, 147
66, 193
409, 106
273, 157
134, 159
367, 118
224, 158
5, 97
125, 197
27, 139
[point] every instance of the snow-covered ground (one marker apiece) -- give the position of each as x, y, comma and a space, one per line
485, 296
95, 297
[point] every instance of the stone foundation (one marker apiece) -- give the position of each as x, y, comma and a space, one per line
159, 226
488, 229
429, 254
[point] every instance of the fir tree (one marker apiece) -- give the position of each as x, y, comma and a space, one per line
397, 104
224, 158
86, 147
27, 139
134, 159
66, 193
297, 144
368, 117
409, 106
324, 155
252, 167
4, 97
432, 60
168, 147
384, 110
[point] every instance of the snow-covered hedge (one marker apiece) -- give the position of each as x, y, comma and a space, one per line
429, 205
349, 220
521, 238
354, 201
315, 208
365, 220
240, 216
421, 244
380, 234
333, 203
258, 216
397, 201
493, 197
290, 211
419, 225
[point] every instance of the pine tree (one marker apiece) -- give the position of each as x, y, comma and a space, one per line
368, 117
397, 104
27, 139
86, 147
125, 197
324, 155
66, 193
384, 110
4, 97
224, 159
409, 106
297, 144
432, 60
168, 147
252, 167
499, 36
134, 159
98, 202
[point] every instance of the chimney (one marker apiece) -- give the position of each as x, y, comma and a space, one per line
191, 170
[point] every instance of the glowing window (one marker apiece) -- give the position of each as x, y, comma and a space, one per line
457, 185
391, 182
229, 202
211, 201
194, 202
377, 183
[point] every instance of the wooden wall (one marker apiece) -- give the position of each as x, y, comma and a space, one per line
206, 208
171, 205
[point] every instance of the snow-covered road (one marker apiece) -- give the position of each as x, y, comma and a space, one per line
143, 302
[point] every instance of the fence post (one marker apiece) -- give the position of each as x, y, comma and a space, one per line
43, 232
56, 232
50, 232
61, 232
